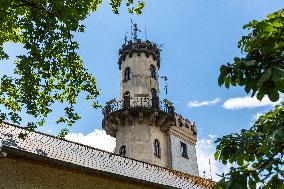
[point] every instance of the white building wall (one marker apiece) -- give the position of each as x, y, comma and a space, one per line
180, 163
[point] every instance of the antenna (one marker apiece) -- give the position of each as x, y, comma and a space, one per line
125, 38
131, 33
146, 34
210, 168
166, 84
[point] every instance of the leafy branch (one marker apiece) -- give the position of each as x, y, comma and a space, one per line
257, 153
51, 71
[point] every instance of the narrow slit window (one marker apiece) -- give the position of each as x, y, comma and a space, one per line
127, 74
183, 150
153, 71
157, 148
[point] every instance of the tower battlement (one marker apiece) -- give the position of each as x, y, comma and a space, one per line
185, 129
138, 46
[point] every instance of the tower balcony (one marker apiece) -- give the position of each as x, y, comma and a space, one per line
151, 111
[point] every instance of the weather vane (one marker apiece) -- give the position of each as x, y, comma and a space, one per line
135, 30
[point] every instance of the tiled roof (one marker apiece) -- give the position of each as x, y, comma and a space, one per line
52, 148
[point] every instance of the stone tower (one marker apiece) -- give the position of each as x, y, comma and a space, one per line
146, 128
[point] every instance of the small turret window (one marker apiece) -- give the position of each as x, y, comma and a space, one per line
126, 99
157, 148
155, 99
183, 150
127, 74
153, 71
122, 151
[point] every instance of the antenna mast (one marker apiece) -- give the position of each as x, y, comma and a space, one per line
210, 168
146, 34
166, 83
125, 38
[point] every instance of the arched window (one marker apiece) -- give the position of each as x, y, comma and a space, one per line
155, 99
127, 74
157, 148
183, 147
126, 99
153, 71
122, 151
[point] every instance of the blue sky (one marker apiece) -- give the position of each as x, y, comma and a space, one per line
197, 37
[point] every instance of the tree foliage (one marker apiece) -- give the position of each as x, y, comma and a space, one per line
51, 70
261, 70
257, 153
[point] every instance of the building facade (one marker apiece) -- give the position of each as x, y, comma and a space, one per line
145, 127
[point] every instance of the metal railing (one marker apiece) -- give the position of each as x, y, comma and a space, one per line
138, 102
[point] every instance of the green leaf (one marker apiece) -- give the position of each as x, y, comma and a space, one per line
273, 95
221, 80
260, 95
278, 74
216, 155
266, 76
252, 183
250, 63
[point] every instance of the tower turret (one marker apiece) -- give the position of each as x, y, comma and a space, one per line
139, 62
145, 127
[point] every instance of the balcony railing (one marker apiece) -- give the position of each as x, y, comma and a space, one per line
139, 102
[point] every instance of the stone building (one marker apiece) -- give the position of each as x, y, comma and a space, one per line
146, 128
155, 146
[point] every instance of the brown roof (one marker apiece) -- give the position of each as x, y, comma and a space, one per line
51, 148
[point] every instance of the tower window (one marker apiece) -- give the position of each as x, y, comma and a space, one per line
183, 147
122, 151
153, 71
155, 99
127, 74
157, 148
126, 100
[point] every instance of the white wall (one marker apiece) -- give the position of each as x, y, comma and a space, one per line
180, 163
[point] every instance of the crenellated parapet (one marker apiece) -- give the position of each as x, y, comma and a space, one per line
147, 47
185, 129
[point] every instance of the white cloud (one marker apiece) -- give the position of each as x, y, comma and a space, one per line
205, 150
248, 102
194, 104
98, 139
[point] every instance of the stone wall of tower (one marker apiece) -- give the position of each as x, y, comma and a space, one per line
140, 82
138, 137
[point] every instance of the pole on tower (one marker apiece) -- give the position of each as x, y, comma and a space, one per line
210, 168
166, 84
146, 34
